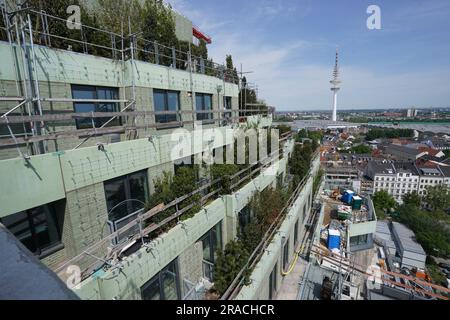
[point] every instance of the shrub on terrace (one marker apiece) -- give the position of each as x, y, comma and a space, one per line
228, 265
266, 207
169, 187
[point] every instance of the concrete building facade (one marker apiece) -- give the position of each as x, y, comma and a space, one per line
64, 168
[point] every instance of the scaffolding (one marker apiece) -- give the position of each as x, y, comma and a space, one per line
140, 228
18, 30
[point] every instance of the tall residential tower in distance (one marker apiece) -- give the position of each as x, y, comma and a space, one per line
335, 85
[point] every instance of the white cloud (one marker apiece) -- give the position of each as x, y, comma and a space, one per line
289, 82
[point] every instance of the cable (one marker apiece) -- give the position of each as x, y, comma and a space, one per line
292, 265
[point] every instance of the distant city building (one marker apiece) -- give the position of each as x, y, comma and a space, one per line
403, 153
399, 178
411, 112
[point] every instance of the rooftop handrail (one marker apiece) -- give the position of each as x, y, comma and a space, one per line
119, 44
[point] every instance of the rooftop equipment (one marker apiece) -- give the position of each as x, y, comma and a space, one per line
334, 239
356, 203
347, 196
344, 212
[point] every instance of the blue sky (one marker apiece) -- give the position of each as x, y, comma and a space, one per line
289, 45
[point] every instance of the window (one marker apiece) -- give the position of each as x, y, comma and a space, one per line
39, 229
166, 100
273, 282
211, 241
305, 212
132, 187
163, 286
244, 218
296, 234
203, 102
99, 93
227, 106
17, 128
280, 180
286, 254
358, 240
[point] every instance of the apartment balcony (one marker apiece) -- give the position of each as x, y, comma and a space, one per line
121, 279
279, 243
82, 93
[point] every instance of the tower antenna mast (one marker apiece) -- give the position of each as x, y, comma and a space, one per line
335, 85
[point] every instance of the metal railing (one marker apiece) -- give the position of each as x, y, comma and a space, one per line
52, 31
27, 27
222, 119
257, 253
106, 250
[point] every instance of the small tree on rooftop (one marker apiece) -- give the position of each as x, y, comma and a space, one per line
228, 265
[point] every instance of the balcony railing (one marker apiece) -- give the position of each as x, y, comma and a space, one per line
266, 239
141, 227
223, 119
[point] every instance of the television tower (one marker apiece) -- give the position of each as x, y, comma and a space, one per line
335, 86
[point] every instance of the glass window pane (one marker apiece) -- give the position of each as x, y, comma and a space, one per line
227, 102
107, 93
106, 107
208, 106
41, 218
84, 123
208, 102
206, 241
115, 194
159, 103
169, 282
173, 101
138, 189
152, 289
286, 254
92, 92
199, 101
173, 105
296, 233
159, 100
83, 92
37, 228
199, 106
18, 224
217, 239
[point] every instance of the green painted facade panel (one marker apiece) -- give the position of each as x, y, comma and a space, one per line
258, 288
7, 71
27, 184
145, 263
85, 166
357, 229
56, 65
